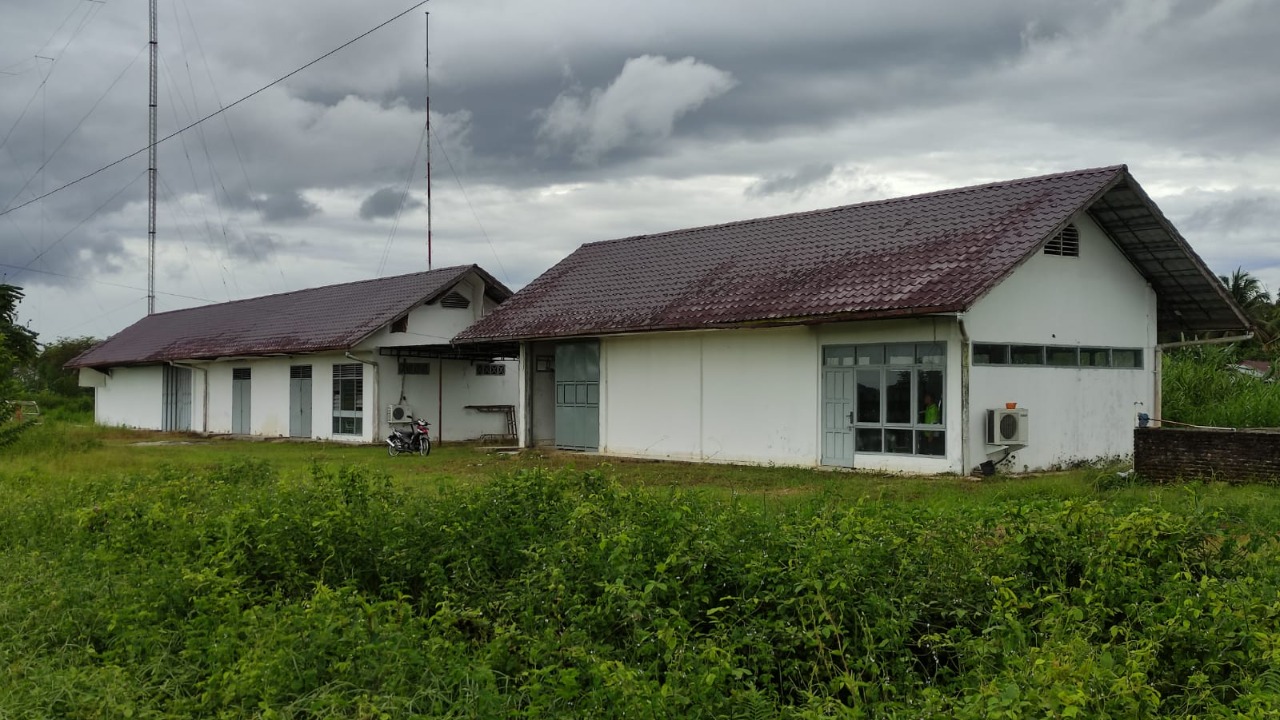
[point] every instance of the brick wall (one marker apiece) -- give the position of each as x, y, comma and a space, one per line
1169, 454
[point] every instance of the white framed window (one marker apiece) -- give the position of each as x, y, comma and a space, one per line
1060, 356
348, 399
899, 391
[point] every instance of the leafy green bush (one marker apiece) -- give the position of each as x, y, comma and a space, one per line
1201, 387
233, 591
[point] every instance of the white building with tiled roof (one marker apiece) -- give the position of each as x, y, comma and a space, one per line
340, 362
1019, 321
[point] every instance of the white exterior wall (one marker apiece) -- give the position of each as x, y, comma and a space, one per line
450, 420
269, 396
1097, 299
130, 397
433, 324
750, 396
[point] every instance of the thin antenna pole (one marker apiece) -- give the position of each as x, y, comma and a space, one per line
151, 175
427, 67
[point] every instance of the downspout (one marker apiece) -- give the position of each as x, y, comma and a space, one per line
964, 394
376, 405
1157, 398
204, 402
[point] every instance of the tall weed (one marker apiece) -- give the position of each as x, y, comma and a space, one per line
235, 590
1202, 387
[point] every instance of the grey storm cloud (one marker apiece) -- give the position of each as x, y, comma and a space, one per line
385, 203
1232, 215
580, 120
253, 247
793, 183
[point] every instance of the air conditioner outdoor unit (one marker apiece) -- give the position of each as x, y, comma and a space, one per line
399, 413
1007, 426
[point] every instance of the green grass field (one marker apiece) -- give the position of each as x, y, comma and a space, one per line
158, 576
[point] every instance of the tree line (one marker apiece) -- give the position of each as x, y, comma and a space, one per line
32, 370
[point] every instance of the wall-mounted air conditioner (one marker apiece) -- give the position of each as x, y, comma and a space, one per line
399, 413
1007, 426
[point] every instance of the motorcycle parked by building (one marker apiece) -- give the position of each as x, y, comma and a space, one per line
413, 440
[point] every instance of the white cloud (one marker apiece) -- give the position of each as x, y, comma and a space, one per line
641, 105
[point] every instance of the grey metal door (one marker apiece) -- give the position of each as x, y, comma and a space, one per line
837, 416
578, 395
300, 401
240, 400
176, 412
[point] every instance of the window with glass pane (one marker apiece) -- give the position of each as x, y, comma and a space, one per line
931, 354
898, 441
897, 405
348, 399
1126, 358
1095, 357
929, 390
1027, 354
901, 354
1061, 356
899, 394
835, 356
988, 354
869, 390
868, 440
870, 354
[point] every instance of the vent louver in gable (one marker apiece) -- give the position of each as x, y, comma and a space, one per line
1065, 243
455, 300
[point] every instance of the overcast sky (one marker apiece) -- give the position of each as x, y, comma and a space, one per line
566, 121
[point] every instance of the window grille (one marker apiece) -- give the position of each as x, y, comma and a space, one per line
1065, 243
491, 369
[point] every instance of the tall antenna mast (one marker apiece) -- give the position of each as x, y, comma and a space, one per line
427, 64
151, 175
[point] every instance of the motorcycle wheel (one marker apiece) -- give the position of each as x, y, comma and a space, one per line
424, 447
392, 450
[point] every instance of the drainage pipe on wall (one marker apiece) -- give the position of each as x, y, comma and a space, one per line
376, 405
204, 402
964, 395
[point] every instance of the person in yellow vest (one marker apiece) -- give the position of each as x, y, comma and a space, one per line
930, 414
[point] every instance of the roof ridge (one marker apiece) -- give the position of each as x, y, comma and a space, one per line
868, 203
311, 289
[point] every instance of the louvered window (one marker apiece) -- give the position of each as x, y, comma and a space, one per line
1065, 243
240, 373
455, 300
300, 372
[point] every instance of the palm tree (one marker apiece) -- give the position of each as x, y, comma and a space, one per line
1247, 290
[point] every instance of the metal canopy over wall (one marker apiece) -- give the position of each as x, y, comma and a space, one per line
487, 352
1190, 299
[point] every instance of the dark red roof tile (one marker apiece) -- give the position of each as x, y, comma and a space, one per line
311, 320
936, 252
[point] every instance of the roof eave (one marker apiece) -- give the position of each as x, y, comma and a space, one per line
750, 324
